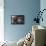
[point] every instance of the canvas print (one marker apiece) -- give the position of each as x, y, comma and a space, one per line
17, 19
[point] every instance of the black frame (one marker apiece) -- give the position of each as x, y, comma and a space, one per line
14, 20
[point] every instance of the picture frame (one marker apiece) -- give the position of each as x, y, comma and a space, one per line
17, 19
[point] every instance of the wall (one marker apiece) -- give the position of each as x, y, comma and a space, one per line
1, 20
19, 7
43, 6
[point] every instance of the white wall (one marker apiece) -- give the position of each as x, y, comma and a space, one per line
1, 20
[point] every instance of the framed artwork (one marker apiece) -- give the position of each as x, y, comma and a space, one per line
17, 19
